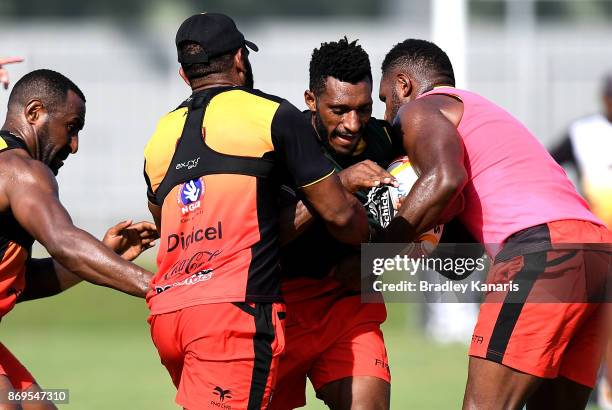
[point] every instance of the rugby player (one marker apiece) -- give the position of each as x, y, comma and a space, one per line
477, 162
330, 336
46, 111
213, 169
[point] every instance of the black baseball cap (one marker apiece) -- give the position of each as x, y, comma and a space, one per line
215, 32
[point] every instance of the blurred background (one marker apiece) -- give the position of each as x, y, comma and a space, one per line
541, 60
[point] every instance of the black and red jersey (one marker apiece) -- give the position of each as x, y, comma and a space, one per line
214, 165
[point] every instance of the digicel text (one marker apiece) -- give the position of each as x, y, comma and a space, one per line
198, 235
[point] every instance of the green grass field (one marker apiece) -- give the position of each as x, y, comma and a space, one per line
95, 342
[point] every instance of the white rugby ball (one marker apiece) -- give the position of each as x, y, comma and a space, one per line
405, 174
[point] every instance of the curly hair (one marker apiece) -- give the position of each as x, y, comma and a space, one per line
422, 58
343, 60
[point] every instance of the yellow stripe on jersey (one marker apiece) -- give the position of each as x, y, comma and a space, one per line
240, 123
318, 180
3, 143
387, 134
160, 148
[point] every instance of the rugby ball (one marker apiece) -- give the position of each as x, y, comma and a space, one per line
384, 202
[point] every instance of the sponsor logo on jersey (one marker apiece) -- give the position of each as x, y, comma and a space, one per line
198, 277
192, 264
189, 195
223, 394
192, 163
196, 235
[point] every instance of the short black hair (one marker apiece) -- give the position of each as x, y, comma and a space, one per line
423, 59
343, 60
49, 86
215, 65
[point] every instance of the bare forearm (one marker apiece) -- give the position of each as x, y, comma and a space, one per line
80, 253
423, 208
349, 224
342, 213
66, 278
294, 220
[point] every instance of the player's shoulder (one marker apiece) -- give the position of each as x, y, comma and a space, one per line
251, 105
16, 159
167, 131
18, 167
241, 98
256, 93
435, 101
424, 109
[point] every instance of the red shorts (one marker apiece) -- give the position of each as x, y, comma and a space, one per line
221, 355
547, 328
19, 376
327, 339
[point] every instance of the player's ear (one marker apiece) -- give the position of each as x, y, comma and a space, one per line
239, 60
310, 100
184, 76
403, 85
34, 111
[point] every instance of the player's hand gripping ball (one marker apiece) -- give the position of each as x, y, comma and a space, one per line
384, 202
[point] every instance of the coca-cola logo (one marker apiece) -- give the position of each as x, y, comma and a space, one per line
190, 265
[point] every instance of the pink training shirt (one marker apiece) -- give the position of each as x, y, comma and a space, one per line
513, 182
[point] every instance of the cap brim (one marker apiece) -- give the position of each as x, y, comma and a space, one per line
251, 45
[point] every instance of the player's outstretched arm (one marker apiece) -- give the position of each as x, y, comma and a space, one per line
435, 148
33, 199
46, 277
343, 214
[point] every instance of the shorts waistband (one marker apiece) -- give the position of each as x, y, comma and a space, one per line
529, 240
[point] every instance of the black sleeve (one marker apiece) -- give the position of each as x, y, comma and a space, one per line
564, 152
150, 194
296, 142
40, 280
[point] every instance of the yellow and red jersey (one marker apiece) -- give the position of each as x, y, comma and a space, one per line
214, 165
